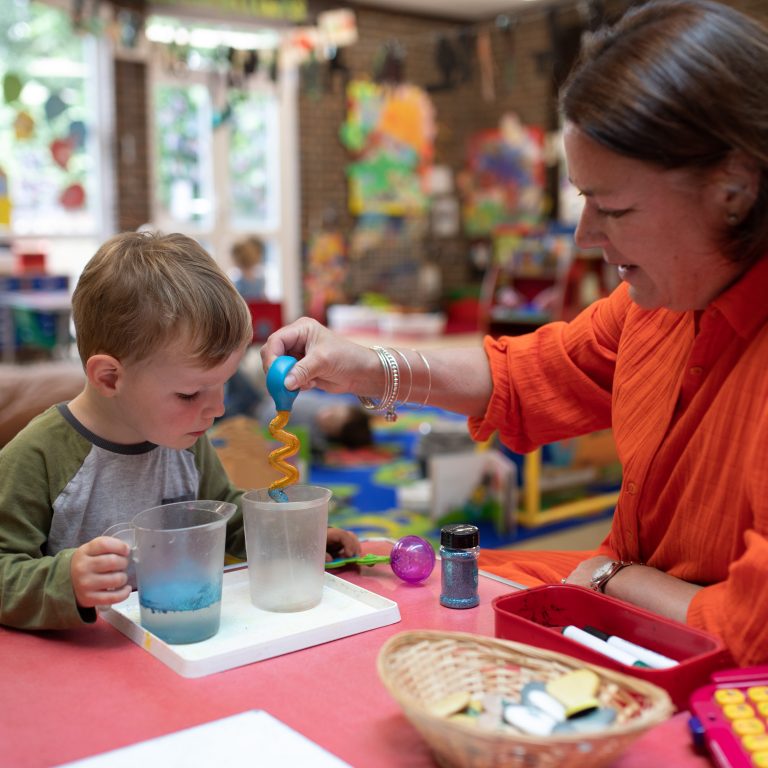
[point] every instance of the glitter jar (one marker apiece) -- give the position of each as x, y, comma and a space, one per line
459, 551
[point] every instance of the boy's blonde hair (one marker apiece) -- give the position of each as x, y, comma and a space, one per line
143, 290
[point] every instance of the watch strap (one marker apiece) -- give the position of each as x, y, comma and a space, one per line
598, 584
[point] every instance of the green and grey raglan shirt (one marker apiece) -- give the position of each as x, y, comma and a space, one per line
61, 486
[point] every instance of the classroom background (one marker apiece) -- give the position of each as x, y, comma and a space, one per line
399, 166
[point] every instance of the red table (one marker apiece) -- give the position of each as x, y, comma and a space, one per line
70, 694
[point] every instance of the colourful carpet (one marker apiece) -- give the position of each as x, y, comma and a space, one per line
365, 487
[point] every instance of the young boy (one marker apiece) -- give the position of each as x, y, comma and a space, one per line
159, 329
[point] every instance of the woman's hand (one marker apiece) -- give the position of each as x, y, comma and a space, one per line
456, 379
582, 573
325, 359
99, 572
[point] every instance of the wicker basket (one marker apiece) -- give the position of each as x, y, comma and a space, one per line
420, 667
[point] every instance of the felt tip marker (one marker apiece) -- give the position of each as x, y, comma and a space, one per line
653, 659
600, 646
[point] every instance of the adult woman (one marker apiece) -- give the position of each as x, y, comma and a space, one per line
666, 115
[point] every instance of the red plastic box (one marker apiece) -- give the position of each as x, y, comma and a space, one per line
537, 616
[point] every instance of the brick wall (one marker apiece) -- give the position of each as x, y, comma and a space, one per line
132, 159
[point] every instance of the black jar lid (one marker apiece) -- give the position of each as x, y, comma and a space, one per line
459, 536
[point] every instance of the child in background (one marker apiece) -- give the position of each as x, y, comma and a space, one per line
241, 395
160, 329
248, 277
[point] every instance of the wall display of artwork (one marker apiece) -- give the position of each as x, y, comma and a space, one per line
504, 182
390, 130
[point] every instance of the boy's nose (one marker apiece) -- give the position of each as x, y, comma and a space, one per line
214, 407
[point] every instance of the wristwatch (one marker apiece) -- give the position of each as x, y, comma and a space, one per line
605, 573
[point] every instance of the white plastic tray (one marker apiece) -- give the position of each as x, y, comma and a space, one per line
248, 634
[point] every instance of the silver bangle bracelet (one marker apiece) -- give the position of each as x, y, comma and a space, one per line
392, 390
391, 386
429, 377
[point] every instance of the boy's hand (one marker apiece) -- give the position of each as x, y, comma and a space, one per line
341, 543
99, 572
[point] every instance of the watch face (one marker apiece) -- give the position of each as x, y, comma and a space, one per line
602, 571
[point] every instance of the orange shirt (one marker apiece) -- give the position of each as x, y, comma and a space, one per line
689, 413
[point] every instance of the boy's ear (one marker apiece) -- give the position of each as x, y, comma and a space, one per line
104, 373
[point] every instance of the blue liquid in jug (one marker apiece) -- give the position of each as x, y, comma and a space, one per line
181, 611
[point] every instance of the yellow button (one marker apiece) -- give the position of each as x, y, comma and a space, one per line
758, 693
760, 759
747, 726
696, 370
728, 696
738, 711
631, 487
756, 743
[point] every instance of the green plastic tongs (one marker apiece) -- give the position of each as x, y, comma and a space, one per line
369, 559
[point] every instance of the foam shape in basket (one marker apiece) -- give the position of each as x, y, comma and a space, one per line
421, 667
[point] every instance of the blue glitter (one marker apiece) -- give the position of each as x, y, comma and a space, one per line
459, 574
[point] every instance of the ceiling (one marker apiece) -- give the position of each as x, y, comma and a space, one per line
470, 10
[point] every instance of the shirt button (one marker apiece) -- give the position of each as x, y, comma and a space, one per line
696, 370
631, 487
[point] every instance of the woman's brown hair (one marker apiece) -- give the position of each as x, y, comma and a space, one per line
680, 84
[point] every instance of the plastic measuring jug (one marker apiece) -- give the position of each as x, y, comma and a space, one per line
285, 542
178, 553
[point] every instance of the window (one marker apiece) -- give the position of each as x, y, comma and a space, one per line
217, 154
52, 126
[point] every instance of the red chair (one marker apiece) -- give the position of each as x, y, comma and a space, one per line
266, 317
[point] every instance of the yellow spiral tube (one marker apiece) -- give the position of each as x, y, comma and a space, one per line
277, 458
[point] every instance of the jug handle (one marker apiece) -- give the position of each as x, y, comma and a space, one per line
125, 532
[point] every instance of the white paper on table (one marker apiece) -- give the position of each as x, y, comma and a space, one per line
257, 734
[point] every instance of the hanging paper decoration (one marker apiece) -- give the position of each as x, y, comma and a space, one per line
389, 63
485, 57
447, 63
223, 116
61, 151
24, 126
338, 27
73, 197
54, 106
392, 131
129, 25
5, 201
77, 133
11, 87
505, 180
299, 43
326, 273
311, 76
337, 66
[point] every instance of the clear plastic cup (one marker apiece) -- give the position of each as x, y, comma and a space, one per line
286, 542
178, 553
